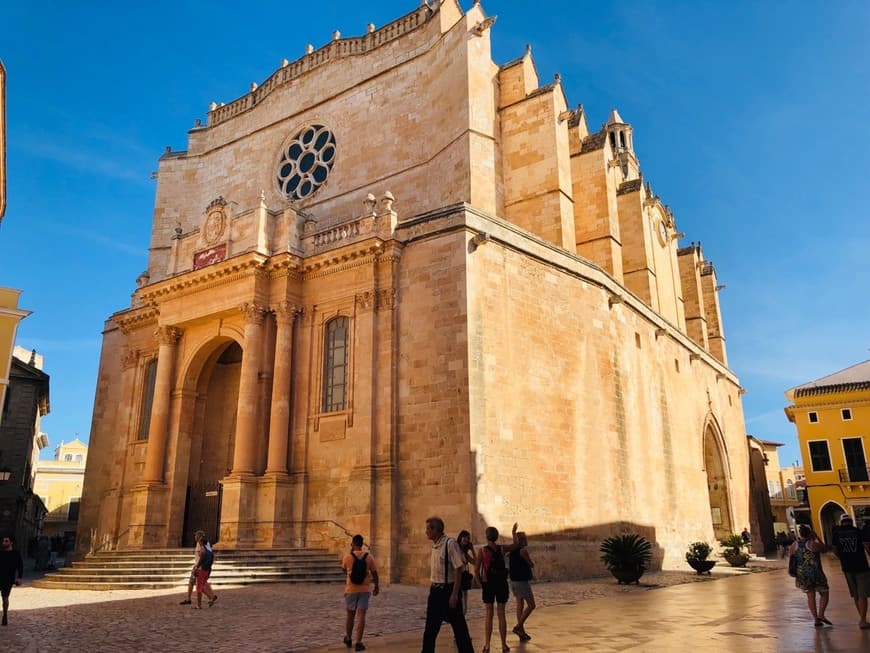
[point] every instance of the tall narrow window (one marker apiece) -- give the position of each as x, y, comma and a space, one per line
335, 365
147, 399
820, 457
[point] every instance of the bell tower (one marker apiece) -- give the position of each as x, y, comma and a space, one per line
620, 140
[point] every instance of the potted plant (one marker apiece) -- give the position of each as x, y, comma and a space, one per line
732, 553
626, 556
697, 556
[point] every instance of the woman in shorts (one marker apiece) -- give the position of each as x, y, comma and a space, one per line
521, 575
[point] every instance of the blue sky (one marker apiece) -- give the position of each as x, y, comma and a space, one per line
750, 121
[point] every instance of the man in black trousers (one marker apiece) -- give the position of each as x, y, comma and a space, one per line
445, 603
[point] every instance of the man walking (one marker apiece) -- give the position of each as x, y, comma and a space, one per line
359, 566
191, 582
446, 563
11, 572
851, 548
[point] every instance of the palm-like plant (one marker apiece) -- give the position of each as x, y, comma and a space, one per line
732, 553
629, 551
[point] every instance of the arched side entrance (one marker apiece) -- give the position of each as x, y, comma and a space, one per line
212, 440
715, 464
829, 516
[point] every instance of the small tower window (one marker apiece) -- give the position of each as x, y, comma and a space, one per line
846, 414
622, 140
813, 417
613, 140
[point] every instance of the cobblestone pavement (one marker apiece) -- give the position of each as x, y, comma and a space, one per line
286, 618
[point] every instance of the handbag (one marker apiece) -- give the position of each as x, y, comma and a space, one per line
792, 565
467, 578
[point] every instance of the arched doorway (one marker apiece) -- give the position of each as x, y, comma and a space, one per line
829, 517
212, 440
717, 485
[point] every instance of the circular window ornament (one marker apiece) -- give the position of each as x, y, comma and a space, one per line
306, 162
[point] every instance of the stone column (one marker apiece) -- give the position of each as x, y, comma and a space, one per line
168, 337
245, 453
279, 423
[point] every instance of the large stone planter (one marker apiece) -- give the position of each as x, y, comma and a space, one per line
702, 566
627, 575
736, 558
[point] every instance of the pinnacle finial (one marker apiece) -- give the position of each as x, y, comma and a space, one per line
615, 118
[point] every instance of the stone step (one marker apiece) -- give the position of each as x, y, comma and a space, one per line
169, 568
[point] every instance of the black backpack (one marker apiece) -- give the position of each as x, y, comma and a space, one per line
206, 560
359, 569
496, 571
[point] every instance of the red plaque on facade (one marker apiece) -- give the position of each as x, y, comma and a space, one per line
209, 256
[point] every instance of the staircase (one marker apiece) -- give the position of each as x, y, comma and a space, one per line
168, 568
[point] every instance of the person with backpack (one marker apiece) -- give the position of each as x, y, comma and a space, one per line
493, 574
202, 571
362, 573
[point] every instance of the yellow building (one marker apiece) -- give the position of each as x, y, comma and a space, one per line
59, 485
832, 416
10, 316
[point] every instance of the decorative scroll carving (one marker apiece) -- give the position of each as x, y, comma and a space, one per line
376, 300
218, 202
365, 300
129, 358
168, 335
254, 313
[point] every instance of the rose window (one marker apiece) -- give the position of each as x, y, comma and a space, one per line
306, 161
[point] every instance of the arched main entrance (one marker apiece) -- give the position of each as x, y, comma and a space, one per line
212, 440
717, 485
829, 516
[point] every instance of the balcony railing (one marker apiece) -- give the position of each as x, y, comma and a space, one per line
854, 475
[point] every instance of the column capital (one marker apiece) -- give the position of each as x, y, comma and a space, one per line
287, 312
168, 335
129, 358
254, 313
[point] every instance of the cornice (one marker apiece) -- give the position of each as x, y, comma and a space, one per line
205, 278
339, 260
135, 318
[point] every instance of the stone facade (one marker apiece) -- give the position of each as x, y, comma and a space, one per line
513, 337
26, 403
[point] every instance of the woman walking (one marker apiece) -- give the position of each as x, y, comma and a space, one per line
810, 577
492, 572
469, 557
521, 575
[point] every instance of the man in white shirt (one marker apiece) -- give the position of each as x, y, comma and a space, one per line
446, 563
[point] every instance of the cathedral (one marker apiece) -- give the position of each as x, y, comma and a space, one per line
398, 279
